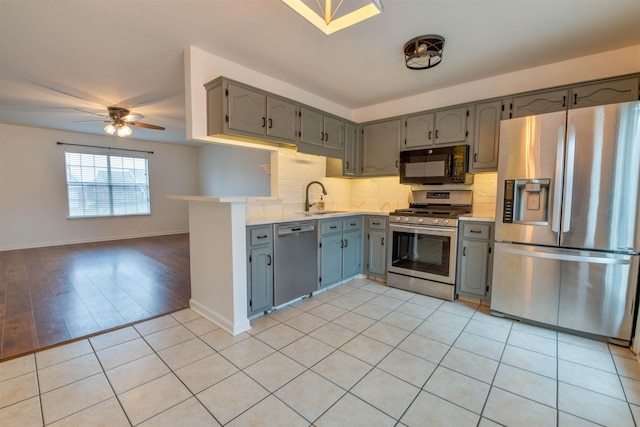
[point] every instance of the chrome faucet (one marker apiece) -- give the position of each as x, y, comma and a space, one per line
306, 200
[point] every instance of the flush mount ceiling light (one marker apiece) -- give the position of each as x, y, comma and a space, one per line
423, 52
327, 19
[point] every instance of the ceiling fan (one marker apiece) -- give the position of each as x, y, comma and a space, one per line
119, 120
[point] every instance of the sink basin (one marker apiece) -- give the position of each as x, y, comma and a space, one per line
314, 213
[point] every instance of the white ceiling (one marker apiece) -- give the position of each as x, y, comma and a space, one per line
60, 56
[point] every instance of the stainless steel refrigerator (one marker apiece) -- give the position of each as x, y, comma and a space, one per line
567, 219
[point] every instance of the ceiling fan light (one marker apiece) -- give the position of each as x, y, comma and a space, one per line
110, 129
124, 130
423, 52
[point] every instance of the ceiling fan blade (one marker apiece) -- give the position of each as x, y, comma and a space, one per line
145, 125
132, 117
105, 116
91, 121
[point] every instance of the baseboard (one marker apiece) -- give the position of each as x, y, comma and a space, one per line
223, 322
93, 240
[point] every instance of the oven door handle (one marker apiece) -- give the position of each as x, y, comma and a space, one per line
444, 230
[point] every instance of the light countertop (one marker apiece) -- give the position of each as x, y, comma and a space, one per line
305, 216
478, 218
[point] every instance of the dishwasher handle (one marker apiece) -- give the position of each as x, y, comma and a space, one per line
304, 227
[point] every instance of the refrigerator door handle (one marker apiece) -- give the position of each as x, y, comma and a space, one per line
557, 192
619, 259
568, 185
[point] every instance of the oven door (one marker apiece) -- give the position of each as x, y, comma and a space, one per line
423, 251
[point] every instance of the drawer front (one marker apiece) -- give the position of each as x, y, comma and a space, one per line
329, 227
354, 223
476, 231
377, 223
260, 235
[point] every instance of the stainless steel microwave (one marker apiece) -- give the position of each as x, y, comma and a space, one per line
439, 165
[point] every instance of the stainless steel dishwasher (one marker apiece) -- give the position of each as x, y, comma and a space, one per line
295, 265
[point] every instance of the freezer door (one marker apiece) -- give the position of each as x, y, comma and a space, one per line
525, 284
532, 148
601, 199
598, 293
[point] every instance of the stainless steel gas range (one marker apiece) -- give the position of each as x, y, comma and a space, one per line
423, 249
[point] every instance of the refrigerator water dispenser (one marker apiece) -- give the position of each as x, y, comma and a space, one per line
526, 201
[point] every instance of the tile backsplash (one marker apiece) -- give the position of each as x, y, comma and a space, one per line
291, 172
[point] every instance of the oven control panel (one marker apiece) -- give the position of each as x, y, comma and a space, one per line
419, 220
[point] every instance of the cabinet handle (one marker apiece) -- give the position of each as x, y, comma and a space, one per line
341, 244
326, 136
575, 99
353, 224
264, 122
475, 157
270, 123
475, 231
333, 227
375, 223
382, 241
564, 101
396, 163
346, 243
269, 262
464, 251
321, 136
347, 165
429, 135
437, 133
262, 237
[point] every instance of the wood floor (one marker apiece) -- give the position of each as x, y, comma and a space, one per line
56, 294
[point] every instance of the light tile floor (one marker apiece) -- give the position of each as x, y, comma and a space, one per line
359, 354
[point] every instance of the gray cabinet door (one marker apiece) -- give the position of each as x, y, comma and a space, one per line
333, 133
350, 150
330, 259
418, 131
539, 103
451, 126
474, 267
381, 148
312, 127
611, 92
247, 110
352, 253
486, 133
260, 280
282, 119
377, 260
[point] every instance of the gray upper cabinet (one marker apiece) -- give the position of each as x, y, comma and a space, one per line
350, 165
418, 131
609, 92
381, 148
451, 126
486, 134
247, 110
282, 119
321, 130
539, 103
447, 126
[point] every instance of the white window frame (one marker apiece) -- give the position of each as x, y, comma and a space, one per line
106, 183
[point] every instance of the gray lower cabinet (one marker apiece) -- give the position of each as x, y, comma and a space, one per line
486, 134
259, 269
475, 259
340, 249
376, 246
381, 148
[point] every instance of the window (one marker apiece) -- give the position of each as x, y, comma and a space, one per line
106, 184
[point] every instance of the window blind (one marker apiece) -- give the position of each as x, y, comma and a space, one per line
106, 184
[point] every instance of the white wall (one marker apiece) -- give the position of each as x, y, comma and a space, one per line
33, 197
233, 171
